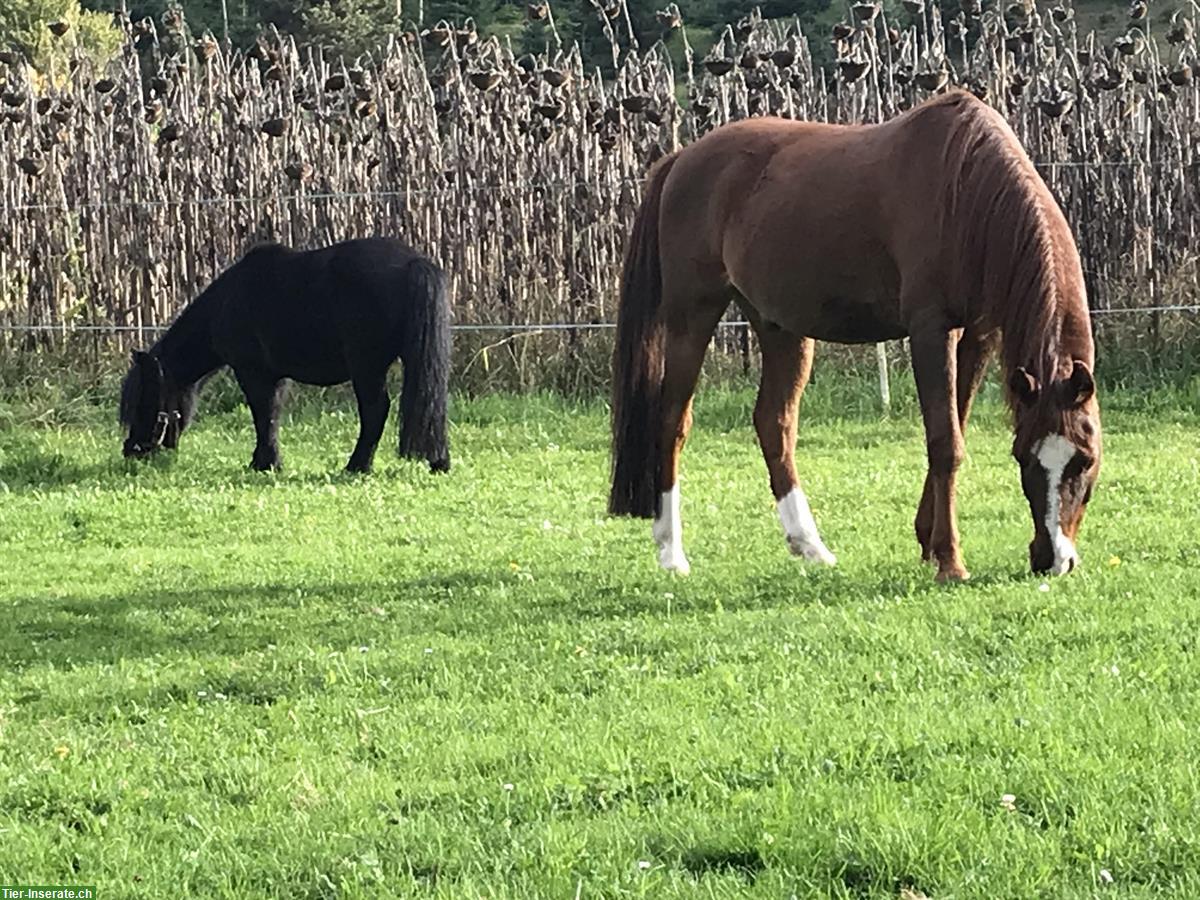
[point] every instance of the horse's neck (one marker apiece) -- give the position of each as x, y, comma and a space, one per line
186, 350
1050, 351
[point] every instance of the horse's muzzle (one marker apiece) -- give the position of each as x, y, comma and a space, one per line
133, 449
138, 448
1043, 559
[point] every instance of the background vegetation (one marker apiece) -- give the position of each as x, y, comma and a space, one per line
127, 185
25, 28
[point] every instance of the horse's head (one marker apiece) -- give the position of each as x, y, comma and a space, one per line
151, 407
1057, 446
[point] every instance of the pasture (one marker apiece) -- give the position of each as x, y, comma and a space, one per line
223, 683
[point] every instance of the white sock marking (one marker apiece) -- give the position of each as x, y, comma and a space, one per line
668, 533
800, 528
1054, 452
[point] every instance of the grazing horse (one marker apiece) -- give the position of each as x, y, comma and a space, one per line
933, 226
341, 313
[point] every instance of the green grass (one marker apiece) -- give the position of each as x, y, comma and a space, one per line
224, 684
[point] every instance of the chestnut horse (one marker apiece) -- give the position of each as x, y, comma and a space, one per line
933, 226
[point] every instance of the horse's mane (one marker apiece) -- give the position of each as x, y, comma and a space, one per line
186, 325
1012, 246
129, 397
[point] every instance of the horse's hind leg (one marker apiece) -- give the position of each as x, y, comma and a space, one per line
973, 354
263, 394
373, 405
686, 342
786, 366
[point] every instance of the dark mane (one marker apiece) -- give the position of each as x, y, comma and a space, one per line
174, 347
1017, 255
128, 398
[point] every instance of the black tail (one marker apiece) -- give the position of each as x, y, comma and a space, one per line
425, 353
638, 363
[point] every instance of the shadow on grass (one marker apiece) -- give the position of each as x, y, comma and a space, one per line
228, 620
29, 467
704, 860
237, 619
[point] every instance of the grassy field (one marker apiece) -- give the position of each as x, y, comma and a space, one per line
219, 684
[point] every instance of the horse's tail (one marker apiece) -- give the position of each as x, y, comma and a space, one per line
638, 362
425, 352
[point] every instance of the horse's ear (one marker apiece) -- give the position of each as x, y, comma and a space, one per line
1081, 386
1024, 386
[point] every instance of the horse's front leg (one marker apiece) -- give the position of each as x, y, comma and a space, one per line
934, 365
973, 354
263, 394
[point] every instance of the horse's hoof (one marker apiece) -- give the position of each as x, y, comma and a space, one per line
811, 552
952, 575
674, 561
356, 469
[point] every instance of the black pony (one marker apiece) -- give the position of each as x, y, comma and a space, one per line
341, 313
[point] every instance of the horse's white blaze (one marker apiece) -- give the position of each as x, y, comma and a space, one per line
1054, 452
800, 528
668, 533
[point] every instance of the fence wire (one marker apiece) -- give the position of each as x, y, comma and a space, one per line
516, 327
455, 190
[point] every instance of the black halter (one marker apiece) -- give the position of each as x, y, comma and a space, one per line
160, 428
161, 423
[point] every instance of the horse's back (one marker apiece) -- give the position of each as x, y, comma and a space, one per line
316, 315
780, 211
347, 278
714, 183
819, 226
370, 257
